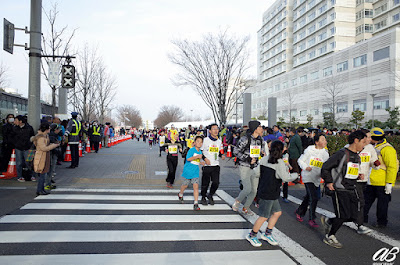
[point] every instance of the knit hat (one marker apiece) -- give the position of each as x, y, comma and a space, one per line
253, 125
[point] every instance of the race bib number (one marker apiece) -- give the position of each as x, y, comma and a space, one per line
173, 149
213, 149
161, 143
365, 157
151, 138
195, 161
352, 170
255, 151
285, 160
316, 162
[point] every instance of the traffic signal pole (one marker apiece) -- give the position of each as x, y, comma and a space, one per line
35, 51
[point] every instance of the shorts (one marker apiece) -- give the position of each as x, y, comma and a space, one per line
268, 207
187, 182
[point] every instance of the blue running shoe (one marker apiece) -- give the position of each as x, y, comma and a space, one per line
254, 241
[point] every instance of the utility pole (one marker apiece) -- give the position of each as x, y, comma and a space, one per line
35, 52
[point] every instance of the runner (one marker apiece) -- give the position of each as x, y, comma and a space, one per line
211, 171
161, 142
340, 173
191, 171
151, 137
311, 163
248, 151
172, 148
271, 171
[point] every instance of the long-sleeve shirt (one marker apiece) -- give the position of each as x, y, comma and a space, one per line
295, 147
313, 158
245, 151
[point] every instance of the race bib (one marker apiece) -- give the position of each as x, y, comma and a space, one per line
365, 157
255, 151
151, 138
285, 160
195, 161
161, 143
213, 149
316, 162
352, 170
173, 149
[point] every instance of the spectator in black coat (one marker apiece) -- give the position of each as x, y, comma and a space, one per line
21, 139
7, 145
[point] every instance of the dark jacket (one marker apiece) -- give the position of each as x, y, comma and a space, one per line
295, 147
269, 187
8, 134
242, 149
22, 137
335, 168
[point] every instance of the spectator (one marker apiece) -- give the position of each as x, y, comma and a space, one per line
22, 135
7, 146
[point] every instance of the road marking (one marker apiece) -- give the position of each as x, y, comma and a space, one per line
300, 254
13, 188
184, 258
161, 173
374, 234
121, 218
138, 191
102, 206
116, 197
121, 235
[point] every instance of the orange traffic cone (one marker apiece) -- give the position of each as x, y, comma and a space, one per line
68, 157
80, 149
11, 169
109, 142
100, 145
87, 146
222, 150
229, 152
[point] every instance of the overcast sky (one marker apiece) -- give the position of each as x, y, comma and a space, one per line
133, 37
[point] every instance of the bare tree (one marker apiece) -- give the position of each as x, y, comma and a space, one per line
168, 114
83, 96
3, 76
214, 67
333, 93
56, 43
289, 101
130, 116
105, 91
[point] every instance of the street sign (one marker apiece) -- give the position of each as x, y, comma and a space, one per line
68, 76
54, 73
8, 36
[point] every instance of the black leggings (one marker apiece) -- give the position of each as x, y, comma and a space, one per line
172, 163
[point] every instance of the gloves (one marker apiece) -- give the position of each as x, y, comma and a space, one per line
388, 188
377, 163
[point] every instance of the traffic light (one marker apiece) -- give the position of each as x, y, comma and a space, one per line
68, 76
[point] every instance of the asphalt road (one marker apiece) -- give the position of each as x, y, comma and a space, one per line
109, 173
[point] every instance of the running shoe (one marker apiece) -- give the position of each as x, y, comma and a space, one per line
33, 179
196, 207
326, 225
254, 241
47, 188
21, 179
298, 217
247, 211
180, 198
285, 200
363, 230
210, 199
312, 223
235, 206
204, 201
270, 239
332, 241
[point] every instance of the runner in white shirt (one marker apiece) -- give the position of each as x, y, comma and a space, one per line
211, 171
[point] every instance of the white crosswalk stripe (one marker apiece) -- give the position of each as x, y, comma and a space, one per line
82, 227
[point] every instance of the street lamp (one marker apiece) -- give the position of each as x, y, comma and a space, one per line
373, 109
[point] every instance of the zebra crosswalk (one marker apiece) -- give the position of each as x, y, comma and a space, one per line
128, 227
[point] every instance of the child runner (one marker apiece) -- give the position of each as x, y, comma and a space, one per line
191, 171
271, 171
171, 148
151, 136
161, 141
311, 163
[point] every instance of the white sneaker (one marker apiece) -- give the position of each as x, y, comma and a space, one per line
363, 230
332, 241
270, 239
254, 241
235, 206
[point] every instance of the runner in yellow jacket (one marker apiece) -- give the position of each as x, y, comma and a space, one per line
381, 180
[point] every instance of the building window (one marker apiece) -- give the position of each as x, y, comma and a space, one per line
381, 103
326, 108
277, 88
285, 85
315, 112
314, 75
322, 22
381, 9
396, 17
359, 30
332, 45
311, 29
302, 34
360, 104
311, 16
396, 2
342, 107
327, 71
333, 30
311, 42
302, 46
302, 59
294, 82
381, 54
380, 24
368, 12
342, 66
311, 55
303, 79
311, 4
332, 16
369, 28
303, 113
361, 60
322, 36
322, 49
322, 9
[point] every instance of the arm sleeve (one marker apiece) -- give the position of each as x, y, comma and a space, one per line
303, 159
282, 172
299, 145
42, 145
374, 157
332, 162
238, 151
389, 157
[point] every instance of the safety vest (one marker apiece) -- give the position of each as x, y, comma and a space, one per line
96, 130
77, 128
378, 149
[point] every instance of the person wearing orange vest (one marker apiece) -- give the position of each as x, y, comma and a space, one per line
381, 181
